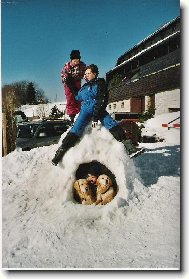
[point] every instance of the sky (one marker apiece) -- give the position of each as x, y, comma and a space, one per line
37, 36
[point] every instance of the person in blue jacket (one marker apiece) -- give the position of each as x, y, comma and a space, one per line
94, 99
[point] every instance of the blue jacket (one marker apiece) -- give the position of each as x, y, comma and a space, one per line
94, 97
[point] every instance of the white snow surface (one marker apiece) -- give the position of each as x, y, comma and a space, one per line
42, 110
44, 228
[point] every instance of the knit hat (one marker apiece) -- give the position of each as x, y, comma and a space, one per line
75, 54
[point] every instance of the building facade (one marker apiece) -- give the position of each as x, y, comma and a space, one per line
148, 75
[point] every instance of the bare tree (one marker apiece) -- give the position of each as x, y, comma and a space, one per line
8, 108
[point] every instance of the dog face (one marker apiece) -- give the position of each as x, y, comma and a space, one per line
84, 191
82, 186
103, 183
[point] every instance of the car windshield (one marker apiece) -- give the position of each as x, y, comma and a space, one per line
60, 128
52, 129
26, 131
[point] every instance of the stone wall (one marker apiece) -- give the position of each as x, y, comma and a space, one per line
165, 101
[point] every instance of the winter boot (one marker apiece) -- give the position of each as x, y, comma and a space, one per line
119, 134
69, 141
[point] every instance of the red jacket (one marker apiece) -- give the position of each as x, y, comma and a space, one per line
77, 73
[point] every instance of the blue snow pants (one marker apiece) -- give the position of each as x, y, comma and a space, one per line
84, 118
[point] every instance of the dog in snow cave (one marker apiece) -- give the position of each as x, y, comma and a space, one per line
94, 190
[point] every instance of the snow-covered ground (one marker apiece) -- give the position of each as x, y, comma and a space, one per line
41, 110
44, 228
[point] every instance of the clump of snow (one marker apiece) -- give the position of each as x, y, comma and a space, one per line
45, 228
153, 127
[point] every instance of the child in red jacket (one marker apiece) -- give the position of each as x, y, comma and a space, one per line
72, 74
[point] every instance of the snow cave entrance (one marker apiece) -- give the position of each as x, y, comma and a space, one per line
94, 184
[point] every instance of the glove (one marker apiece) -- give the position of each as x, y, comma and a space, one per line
68, 80
94, 124
70, 83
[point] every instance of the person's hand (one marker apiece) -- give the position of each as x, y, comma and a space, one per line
94, 124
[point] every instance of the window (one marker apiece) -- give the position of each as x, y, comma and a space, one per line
60, 128
52, 129
174, 28
114, 106
162, 35
135, 64
110, 107
46, 131
163, 50
122, 105
24, 132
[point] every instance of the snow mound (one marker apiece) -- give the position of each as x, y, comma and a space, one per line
44, 227
53, 185
98, 145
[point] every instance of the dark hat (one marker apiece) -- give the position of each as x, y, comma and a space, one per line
75, 54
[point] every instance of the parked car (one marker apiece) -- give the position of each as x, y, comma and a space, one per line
19, 117
40, 133
128, 121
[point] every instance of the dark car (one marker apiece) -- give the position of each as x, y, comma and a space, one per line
20, 117
42, 133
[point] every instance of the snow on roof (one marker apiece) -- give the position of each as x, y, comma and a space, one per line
151, 35
157, 31
144, 50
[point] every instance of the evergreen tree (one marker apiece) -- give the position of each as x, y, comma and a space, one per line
31, 94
